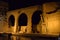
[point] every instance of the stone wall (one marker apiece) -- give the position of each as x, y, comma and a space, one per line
49, 23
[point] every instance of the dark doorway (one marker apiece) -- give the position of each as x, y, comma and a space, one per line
11, 20
22, 20
35, 20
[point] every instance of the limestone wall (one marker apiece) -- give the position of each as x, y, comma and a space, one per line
51, 22
28, 11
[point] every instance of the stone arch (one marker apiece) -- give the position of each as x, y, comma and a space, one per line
22, 20
36, 18
11, 21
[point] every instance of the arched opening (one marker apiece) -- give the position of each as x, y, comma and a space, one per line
35, 20
22, 20
11, 20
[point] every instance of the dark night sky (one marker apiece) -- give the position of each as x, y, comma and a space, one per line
21, 3
16, 4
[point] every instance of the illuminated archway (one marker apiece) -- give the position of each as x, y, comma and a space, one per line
11, 20
22, 20
36, 18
